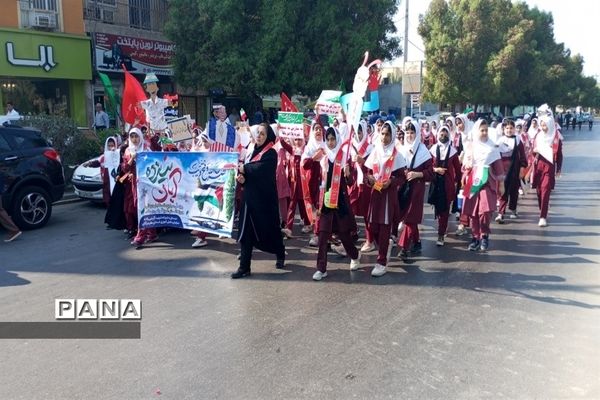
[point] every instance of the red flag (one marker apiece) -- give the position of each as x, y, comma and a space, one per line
133, 93
286, 104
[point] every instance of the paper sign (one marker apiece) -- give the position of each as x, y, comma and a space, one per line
329, 102
291, 125
180, 129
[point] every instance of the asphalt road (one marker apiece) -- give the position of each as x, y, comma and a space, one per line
520, 322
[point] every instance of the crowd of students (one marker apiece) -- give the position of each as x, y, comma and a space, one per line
380, 174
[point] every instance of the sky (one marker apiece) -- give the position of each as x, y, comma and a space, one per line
576, 24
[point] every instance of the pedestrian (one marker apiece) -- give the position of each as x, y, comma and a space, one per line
311, 162
300, 192
283, 148
427, 137
442, 190
5, 219
11, 112
484, 181
591, 121
512, 153
115, 212
547, 164
411, 195
101, 120
110, 147
335, 213
386, 167
259, 217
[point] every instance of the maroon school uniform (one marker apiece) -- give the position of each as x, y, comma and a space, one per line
450, 178
514, 158
547, 163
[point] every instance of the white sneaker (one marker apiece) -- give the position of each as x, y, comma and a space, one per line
367, 247
199, 243
355, 264
400, 227
514, 215
307, 229
287, 233
460, 230
379, 270
521, 192
319, 275
440, 240
543, 223
498, 218
339, 249
314, 241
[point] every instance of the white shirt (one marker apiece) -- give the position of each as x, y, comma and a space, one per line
12, 113
155, 113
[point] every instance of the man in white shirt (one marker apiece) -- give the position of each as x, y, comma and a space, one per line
101, 120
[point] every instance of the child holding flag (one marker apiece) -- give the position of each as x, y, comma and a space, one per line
484, 172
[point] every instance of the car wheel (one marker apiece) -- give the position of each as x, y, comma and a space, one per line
31, 208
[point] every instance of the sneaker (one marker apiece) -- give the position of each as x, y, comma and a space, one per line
416, 248
521, 192
12, 237
457, 216
485, 243
314, 241
543, 223
286, 233
403, 254
393, 239
151, 239
199, 243
379, 270
474, 245
138, 242
367, 247
307, 229
460, 230
514, 215
500, 219
319, 275
440, 241
355, 264
339, 249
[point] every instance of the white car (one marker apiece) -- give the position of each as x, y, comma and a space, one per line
87, 182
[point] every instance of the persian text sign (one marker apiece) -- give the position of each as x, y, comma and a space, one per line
329, 102
291, 125
139, 55
187, 190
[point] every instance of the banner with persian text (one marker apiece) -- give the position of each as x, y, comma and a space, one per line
187, 190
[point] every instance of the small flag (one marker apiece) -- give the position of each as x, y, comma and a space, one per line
243, 115
476, 180
286, 104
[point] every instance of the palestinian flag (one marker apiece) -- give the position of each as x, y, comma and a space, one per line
213, 196
476, 180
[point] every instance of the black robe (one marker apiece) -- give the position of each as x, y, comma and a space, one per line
259, 213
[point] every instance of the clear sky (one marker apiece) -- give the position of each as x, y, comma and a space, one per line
576, 24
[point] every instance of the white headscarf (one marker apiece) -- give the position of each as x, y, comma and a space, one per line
332, 153
468, 125
382, 153
543, 140
313, 144
133, 149
442, 146
481, 153
409, 150
358, 143
533, 131
506, 144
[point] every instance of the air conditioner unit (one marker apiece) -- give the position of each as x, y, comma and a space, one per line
108, 16
44, 21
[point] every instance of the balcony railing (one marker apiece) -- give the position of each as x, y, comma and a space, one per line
149, 15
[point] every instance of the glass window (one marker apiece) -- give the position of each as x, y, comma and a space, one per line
3, 144
28, 141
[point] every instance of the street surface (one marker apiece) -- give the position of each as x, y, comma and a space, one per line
520, 322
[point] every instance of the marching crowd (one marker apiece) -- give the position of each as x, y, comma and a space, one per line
382, 174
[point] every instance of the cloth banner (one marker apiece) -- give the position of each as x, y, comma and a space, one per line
291, 125
189, 190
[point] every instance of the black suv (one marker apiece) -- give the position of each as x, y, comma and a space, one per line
31, 176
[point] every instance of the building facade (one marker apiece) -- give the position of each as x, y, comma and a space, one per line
44, 58
129, 34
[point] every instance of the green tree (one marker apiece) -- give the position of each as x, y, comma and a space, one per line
255, 47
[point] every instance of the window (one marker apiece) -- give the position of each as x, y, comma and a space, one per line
139, 14
24, 142
46, 5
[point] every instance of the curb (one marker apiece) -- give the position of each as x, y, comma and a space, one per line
69, 198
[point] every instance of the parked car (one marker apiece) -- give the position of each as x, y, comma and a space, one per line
87, 182
32, 176
421, 115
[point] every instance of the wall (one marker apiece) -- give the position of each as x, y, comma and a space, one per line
72, 13
390, 96
9, 17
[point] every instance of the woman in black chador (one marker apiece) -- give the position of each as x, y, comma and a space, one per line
259, 215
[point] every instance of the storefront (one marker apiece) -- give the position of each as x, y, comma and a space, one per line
43, 72
140, 56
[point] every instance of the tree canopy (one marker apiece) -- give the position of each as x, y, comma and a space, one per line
254, 47
499, 52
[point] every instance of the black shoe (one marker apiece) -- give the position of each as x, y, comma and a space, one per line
240, 273
403, 254
416, 248
280, 264
485, 244
474, 245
